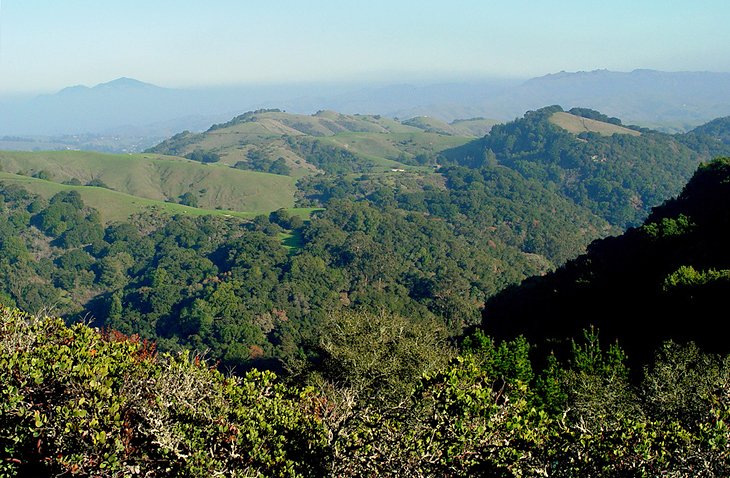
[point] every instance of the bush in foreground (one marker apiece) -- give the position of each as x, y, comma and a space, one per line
77, 401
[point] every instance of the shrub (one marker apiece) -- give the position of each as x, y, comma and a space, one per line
76, 400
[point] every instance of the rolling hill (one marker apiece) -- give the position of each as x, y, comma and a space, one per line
617, 172
668, 101
113, 206
159, 178
718, 129
311, 143
325, 141
461, 127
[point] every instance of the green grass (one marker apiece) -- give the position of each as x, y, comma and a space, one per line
304, 212
430, 124
161, 178
114, 206
292, 241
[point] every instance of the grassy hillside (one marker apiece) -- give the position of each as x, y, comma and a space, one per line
394, 145
427, 123
160, 178
473, 126
465, 127
112, 205
578, 124
374, 142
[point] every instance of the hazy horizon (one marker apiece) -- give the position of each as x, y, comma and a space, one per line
47, 46
334, 85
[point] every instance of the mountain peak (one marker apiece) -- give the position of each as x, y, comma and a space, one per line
124, 83
69, 90
119, 84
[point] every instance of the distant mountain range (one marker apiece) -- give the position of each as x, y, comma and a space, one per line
669, 101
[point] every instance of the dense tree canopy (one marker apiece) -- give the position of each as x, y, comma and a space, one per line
230, 287
642, 287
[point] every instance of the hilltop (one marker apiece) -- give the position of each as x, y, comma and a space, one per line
459, 127
668, 101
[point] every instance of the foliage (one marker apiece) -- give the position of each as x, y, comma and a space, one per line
377, 356
43, 174
176, 144
331, 159
668, 227
687, 276
477, 417
594, 115
257, 162
230, 287
204, 156
716, 131
493, 203
79, 401
98, 183
640, 287
523, 213
455, 425
717, 128
188, 199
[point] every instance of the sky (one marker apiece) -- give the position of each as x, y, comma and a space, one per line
46, 45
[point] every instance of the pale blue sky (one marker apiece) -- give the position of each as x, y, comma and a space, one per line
46, 45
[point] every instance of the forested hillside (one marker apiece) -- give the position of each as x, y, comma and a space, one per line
230, 286
718, 129
618, 177
667, 279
